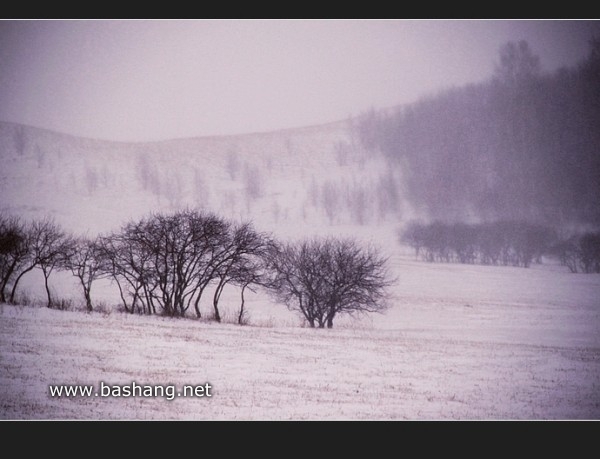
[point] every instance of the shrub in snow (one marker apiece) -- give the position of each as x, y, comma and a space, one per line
322, 278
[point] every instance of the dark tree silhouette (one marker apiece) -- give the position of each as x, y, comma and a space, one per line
579, 252
14, 251
87, 264
507, 242
517, 63
240, 262
250, 272
25, 246
324, 278
51, 246
165, 262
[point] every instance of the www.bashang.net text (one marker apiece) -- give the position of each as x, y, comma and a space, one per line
169, 391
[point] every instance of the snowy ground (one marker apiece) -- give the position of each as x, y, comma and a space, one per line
459, 342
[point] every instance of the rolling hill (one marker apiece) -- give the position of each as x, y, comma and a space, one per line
292, 180
458, 341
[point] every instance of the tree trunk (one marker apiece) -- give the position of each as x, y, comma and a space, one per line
3, 288
217, 315
197, 303
46, 276
241, 315
122, 295
216, 298
87, 293
134, 301
8, 273
330, 322
14, 289
88, 301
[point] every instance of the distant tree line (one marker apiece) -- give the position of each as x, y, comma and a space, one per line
164, 263
580, 253
507, 243
522, 145
500, 243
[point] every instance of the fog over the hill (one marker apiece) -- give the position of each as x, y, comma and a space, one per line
165, 79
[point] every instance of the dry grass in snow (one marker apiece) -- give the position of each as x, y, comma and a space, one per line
460, 342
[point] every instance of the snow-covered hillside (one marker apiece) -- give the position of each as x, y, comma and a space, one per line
291, 183
297, 179
458, 341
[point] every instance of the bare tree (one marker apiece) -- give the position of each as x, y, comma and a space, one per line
413, 235
517, 62
211, 245
50, 246
233, 163
357, 200
567, 251
248, 273
87, 264
330, 200
580, 252
125, 261
589, 252
241, 263
14, 251
324, 278
23, 247
28, 261
253, 182
167, 260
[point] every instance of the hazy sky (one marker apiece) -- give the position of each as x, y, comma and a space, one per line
150, 80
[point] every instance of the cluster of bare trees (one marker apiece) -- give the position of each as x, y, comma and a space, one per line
505, 242
27, 245
580, 253
164, 263
161, 263
356, 201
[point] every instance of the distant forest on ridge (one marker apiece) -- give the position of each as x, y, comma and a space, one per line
523, 145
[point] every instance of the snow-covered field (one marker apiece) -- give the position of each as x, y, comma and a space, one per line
459, 342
